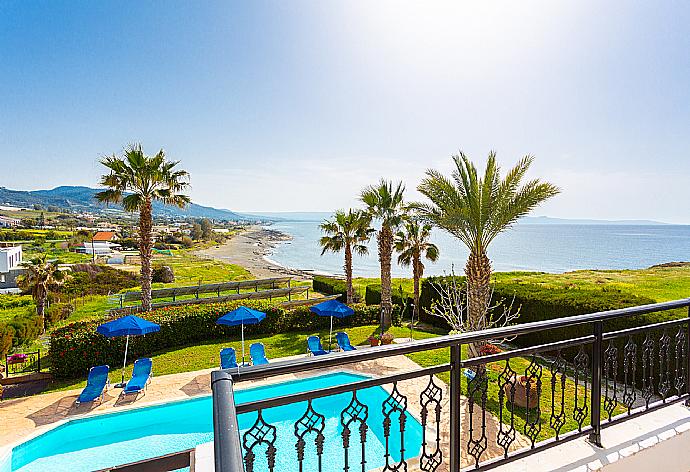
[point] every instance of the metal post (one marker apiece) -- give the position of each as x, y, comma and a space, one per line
595, 435
226, 432
39, 361
687, 360
455, 406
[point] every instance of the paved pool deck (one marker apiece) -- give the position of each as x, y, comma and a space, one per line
23, 418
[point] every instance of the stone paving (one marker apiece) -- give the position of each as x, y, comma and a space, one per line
25, 417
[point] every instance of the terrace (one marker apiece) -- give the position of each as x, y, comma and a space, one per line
589, 385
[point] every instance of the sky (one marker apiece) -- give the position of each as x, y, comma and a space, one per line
296, 106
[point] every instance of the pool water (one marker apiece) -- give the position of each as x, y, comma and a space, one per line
106, 440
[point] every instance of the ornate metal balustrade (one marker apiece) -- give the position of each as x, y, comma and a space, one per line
496, 408
23, 363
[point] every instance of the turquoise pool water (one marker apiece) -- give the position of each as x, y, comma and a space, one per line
116, 438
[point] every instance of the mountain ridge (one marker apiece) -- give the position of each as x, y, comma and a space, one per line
75, 197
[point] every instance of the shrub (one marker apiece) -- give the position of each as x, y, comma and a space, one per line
58, 312
93, 279
163, 274
399, 296
76, 347
331, 286
14, 301
6, 337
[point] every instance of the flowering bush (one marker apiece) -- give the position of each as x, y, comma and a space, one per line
488, 349
77, 347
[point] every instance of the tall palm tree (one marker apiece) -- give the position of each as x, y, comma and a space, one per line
412, 243
475, 209
384, 202
136, 180
349, 232
39, 279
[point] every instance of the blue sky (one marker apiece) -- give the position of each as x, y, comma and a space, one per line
279, 106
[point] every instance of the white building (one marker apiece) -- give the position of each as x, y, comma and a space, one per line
99, 248
10, 258
7, 222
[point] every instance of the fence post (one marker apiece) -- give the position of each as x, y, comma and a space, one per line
687, 360
595, 435
39, 361
455, 406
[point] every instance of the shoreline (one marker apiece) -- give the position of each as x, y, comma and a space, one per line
251, 249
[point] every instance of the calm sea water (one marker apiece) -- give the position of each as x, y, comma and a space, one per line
531, 247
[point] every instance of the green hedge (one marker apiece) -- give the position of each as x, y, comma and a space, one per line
76, 347
399, 297
330, 286
537, 303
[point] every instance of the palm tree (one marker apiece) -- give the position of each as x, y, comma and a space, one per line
136, 180
475, 209
384, 202
349, 232
412, 243
39, 279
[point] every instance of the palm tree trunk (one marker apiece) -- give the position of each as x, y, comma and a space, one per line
348, 273
145, 253
385, 242
478, 272
416, 275
40, 311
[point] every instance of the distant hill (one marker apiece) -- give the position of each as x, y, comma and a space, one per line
82, 199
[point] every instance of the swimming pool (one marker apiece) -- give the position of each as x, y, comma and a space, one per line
105, 440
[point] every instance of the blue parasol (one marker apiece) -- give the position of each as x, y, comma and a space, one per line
241, 316
127, 326
334, 309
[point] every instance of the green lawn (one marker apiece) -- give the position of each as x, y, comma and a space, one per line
193, 270
660, 284
205, 356
52, 251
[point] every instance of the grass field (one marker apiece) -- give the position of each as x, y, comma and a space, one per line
193, 270
205, 356
660, 284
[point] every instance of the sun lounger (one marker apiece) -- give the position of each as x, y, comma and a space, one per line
343, 341
258, 354
228, 358
314, 346
141, 376
96, 385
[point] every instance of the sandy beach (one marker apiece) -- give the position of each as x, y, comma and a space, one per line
249, 250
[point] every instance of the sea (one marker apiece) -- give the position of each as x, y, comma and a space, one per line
554, 248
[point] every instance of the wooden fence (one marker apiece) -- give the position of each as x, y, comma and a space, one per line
196, 290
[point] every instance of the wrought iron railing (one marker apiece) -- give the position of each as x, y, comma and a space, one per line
23, 363
496, 408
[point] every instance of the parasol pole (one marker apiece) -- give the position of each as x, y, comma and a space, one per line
124, 364
242, 342
330, 336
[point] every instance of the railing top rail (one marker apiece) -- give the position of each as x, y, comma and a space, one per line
338, 389
340, 358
